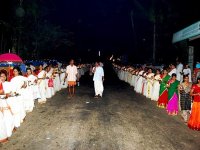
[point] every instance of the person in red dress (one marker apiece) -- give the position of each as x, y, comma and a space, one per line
194, 121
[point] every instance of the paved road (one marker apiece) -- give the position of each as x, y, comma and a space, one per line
122, 120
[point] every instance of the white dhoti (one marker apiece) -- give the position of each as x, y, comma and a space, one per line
42, 89
8, 119
57, 85
18, 109
28, 100
3, 133
36, 92
98, 87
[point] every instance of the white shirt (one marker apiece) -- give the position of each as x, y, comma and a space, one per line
172, 71
7, 87
188, 72
179, 69
98, 74
71, 73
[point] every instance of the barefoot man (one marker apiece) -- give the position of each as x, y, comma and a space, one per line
98, 80
72, 76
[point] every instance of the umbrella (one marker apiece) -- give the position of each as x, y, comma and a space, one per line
9, 57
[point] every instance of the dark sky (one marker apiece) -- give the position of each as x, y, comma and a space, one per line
99, 24
106, 24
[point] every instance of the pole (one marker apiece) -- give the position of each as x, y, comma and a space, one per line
132, 21
154, 42
133, 27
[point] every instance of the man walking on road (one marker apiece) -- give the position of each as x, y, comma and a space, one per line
72, 76
98, 80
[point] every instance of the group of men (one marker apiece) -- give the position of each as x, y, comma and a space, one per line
98, 78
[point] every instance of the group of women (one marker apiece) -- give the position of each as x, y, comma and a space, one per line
18, 96
162, 86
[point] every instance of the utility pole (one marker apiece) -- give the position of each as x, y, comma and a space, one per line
133, 28
154, 42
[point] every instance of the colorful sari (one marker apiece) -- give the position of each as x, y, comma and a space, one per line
194, 121
163, 93
172, 106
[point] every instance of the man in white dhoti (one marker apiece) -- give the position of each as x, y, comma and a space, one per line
72, 76
179, 71
98, 80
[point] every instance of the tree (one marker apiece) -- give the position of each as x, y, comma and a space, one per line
28, 32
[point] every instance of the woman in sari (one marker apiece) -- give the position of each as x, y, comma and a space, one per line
5, 104
3, 133
49, 82
185, 98
163, 93
42, 85
194, 121
20, 85
172, 106
14, 90
149, 83
156, 86
133, 77
32, 80
139, 79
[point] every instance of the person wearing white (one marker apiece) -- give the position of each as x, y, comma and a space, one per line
173, 69
98, 79
49, 77
179, 70
72, 76
139, 82
32, 81
187, 71
15, 106
42, 85
3, 129
57, 85
156, 86
62, 78
3, 134
20, 85
149, 84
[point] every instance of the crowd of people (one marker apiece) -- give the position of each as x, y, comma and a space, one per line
170, 86
19, 94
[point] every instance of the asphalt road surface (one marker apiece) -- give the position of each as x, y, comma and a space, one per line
121, 120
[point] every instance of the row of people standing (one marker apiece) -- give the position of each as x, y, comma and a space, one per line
18, 96
165, 88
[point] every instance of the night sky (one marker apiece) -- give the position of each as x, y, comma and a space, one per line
106, 25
